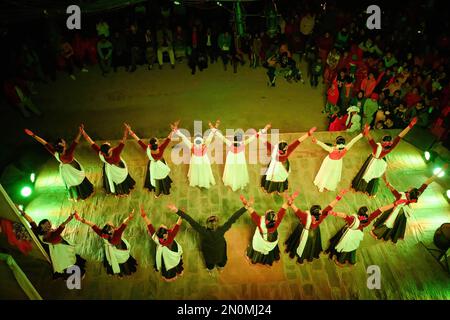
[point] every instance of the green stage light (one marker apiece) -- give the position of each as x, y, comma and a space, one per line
427, 156
177, 3
26, 191
33, 177
440, 173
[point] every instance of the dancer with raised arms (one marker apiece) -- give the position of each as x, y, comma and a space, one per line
117, 259
71, 171
116, 179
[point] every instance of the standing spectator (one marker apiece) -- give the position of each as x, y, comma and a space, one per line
67, 56
369, 109
342, 39
135, 40
120, 51
80, 47
102, 28
331, 107
150, 49
324, 44
256, 51
389, 60
105, 50
180, 46
306, 28
317, 71
164, 38
211, 45
358, 100
224, 43
368, 85
331, 64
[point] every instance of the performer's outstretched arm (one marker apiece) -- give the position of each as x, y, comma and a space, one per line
227, 225
432, 178
150, 227
321, 144
36, 137
409, 127
195, 225
353, 141
186, 141
337, 199
86, 136
83, 220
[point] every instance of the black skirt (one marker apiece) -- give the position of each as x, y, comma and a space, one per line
265, 259
123, 188
359, 184
271, 186
162, 185
126, 269
175, 271
82, 191
313, 246
80, 263
340, 257
380, 231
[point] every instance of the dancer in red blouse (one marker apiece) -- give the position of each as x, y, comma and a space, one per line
367, 178
264, 247
116, 179
157, 177
305, 242
62, 253
344, 244
169, 253
71, 171
275, 178
117, 259
391, 226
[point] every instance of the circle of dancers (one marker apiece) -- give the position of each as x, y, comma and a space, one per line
304, 244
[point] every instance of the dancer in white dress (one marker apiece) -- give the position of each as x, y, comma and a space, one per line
200, 173
235, 173
71, 171
330, 171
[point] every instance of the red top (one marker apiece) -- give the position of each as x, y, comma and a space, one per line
384, 152
372, 216
333, 95
171, 236
302, 215
162, 147
116, 237
257, 220
25, 246
337, 154
397, 194
283, 157
199, 152
115, 156
53, 236
67, 156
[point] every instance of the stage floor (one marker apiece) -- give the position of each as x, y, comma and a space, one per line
408, 271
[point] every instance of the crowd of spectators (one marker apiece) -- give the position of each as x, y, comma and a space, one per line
390, 75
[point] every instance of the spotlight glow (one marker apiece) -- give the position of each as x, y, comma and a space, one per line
26, 191
440, 173
20, 207
427, 156
177, 3
33, 177
448, 194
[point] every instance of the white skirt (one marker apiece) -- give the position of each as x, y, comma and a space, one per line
235, 174
329, 174
200, 173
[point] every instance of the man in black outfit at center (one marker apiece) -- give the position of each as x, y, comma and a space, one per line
212, 237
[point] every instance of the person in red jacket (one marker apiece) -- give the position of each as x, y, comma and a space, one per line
331, 107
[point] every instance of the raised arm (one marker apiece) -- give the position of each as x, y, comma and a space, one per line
338, 198
409, 127
394, 192
353, 141
432, 178
130, 217
321, 144
227, 225
86, 136
131, 132
210, 136
26, 216
186, 141
307, 135
35, 137
125, 134
83, 220
219, 134
195, 225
